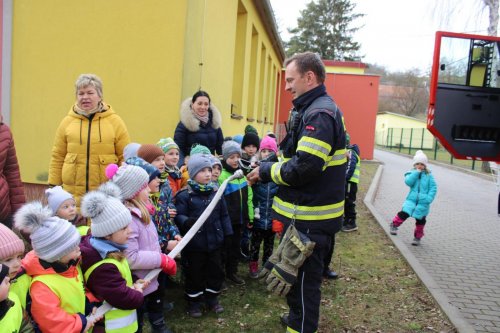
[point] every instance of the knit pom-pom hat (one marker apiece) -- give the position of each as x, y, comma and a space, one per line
229, 148
166, 144
55, 197
130, 179
269, 143
10, 243
51, 237
149, 152
106, 211
420, 157
199, 149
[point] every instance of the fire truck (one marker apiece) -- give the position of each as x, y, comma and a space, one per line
464, 104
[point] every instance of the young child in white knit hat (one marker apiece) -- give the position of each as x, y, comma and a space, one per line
63, 205
423, 189
57, 290
143, 249
104, 263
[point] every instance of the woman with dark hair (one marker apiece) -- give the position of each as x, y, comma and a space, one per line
200, 124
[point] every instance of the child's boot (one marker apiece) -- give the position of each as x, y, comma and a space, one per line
214, 305
418, 234
194, 309
254, 269
396, 222
157, 321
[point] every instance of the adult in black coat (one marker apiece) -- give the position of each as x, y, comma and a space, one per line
200, 124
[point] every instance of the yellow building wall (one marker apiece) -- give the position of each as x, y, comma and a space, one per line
230, 41
386, 122
136, 47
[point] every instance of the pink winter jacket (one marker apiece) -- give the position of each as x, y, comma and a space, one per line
143, 251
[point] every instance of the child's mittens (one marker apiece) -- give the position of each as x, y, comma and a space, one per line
168, 265
256, 213
277, 227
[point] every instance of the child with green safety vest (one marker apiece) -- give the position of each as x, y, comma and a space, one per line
143, 248
63, 205
104, 264
12, 318
58, 300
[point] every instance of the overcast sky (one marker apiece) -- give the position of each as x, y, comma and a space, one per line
399, 34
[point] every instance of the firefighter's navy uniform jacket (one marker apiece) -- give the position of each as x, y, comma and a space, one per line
311, 183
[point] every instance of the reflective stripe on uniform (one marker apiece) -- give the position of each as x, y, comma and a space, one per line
276, 174
121, 322
338, 158
314, 147
309, 213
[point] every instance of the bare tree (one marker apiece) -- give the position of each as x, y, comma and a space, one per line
493, 16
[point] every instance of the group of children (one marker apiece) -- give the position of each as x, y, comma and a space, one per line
125, 229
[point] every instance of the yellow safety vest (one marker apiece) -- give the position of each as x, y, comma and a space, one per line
70, 291
355, 176
21, 287
117, 320
13, 319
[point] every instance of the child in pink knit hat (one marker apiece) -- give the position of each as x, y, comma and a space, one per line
11, 254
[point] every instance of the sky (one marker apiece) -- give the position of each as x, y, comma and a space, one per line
398, 34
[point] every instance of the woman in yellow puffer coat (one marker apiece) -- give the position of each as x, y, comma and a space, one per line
90, 137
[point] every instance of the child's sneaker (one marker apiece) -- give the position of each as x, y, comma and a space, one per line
416, 241
393, 229
215, 306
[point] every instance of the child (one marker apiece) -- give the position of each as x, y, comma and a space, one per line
262, 226
57, 290
171, 157
216, 170
422, 192
238, 196
104, 264
203, 254
351, 186
12, 318
250, 146
168, 233
11, 254
63, 205
153, 155
143, 249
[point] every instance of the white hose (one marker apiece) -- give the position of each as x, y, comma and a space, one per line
105, 307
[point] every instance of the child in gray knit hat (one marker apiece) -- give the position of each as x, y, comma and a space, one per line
53, 266
104, 263
204, 274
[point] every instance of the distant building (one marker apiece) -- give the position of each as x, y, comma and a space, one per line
355, 93
394, 130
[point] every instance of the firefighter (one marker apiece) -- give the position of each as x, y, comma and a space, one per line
311, 181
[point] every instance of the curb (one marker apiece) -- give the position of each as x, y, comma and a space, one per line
450, 310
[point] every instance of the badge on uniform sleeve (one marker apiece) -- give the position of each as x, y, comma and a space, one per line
310, 128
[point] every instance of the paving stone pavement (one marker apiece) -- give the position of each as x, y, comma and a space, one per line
461, 246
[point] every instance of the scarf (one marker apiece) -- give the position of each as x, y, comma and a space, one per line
173, 171
203, 120
99, 108
104, 246
200, 188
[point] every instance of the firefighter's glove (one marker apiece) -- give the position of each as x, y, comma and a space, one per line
298, 247
273, 260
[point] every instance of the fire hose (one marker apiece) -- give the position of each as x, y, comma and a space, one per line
105, 307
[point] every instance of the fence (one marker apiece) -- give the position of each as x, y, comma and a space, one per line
409, 140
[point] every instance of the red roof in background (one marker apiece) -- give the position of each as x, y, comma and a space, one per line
352, 64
